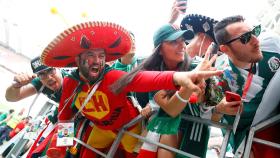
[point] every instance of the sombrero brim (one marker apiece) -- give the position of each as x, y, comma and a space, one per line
199, 23
113, 38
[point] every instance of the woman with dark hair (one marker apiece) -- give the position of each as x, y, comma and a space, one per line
169, 54
188, 136
167, 35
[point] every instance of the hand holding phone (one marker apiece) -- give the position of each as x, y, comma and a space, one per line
184, 4
230, 96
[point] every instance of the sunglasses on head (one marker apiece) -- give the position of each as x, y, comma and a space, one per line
245, 38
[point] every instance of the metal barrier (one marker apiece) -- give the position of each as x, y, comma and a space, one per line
14, 140
136, 120
139, 118
267, 108
117, 141
267, 123
215, 124
17, 149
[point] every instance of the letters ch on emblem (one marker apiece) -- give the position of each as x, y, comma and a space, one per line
96, 104
97, 107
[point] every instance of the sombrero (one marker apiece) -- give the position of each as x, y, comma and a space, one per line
113, 38
199, 23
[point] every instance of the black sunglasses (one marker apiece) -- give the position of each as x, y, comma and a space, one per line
245, 38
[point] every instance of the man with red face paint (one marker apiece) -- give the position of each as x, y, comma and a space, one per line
86, 91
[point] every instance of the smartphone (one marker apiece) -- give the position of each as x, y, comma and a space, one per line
230, 96
214, 49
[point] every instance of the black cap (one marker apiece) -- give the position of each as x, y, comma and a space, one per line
37, 65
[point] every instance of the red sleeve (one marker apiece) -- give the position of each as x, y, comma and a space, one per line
64, 110
146, 81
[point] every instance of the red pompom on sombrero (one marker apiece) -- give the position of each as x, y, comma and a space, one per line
113, 38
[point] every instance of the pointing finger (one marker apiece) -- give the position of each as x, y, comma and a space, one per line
207, 74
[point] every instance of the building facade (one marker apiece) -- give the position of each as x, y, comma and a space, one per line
270, 16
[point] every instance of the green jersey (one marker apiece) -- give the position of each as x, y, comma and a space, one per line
235, 79
53, 95
127, 68
195, 136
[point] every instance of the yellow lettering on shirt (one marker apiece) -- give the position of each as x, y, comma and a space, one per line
97, 106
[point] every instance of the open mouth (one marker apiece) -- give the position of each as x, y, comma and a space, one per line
94, 71
51, 83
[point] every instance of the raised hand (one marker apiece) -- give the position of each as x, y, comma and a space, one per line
193, 79
206, 63
177, 9
22, 79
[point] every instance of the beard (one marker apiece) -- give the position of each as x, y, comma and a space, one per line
254, 56
86, 69
85, 72
250, 59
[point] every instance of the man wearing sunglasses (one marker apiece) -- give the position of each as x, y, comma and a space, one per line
249, 67
45, 79
26, 85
